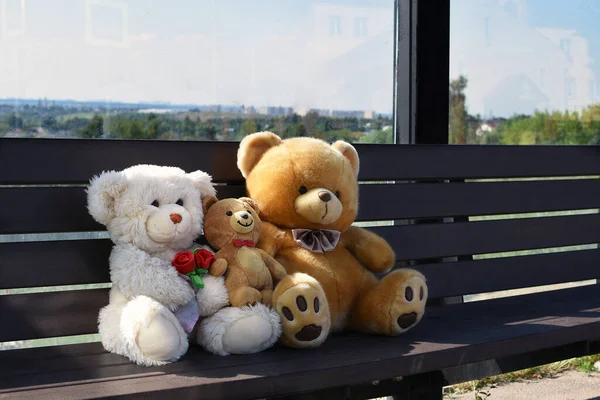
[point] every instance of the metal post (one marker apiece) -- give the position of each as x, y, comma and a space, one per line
421, 67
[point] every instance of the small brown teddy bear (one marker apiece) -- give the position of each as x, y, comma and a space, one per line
233, 227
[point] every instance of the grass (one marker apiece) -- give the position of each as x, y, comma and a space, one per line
583, 364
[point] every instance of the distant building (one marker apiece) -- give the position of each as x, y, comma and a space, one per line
350, 114
282, 111
581, 86
486, 127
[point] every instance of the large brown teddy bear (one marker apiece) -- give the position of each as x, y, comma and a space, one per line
233, 227
307, 192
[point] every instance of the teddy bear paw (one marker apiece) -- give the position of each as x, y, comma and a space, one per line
408, 306
161, 340
302, 306
152, 333
244, 330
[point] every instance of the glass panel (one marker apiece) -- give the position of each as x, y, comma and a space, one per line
524, 72
196, 70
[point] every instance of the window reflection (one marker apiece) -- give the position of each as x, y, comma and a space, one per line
200, 70
524, 71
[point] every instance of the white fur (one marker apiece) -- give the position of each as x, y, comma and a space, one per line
139, 322
245, 330
213, 297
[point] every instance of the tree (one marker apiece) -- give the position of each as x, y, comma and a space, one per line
210, 132
118, 127
458, 110
154, 129
379, 137
14, 122
94, 129
248, 126
135, 130
189, 129
310, 122
292, 119
50, 124
295, 130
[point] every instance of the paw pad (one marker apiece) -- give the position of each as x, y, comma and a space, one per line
405, 321
288, 313
408, 293
309, 333
301, 303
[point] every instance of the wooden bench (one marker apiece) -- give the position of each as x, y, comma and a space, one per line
432, 200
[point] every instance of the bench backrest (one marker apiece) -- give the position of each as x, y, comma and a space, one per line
430, 198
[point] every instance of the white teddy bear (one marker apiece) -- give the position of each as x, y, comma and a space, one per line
152, 213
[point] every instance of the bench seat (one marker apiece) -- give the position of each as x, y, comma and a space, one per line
453, 335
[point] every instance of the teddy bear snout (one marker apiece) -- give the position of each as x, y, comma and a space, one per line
176, 218
242, 222
325, 196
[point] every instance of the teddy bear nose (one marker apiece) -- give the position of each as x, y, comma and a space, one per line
245, 216
176, 218
325, 196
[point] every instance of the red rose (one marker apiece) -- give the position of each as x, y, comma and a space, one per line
204, 258
184, 262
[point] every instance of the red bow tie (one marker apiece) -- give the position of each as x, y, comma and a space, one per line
241, 243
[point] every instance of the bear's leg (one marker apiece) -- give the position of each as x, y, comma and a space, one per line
302, 306
244, 295
267, 296
244, 330
393, 305
152, 334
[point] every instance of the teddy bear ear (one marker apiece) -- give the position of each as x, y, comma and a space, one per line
248, 202
252, 148
349, 152
208, 202
203, 182
102, 193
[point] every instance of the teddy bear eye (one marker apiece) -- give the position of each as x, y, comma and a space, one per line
229, 213
337, 194
155, 203
179, 202
303, 189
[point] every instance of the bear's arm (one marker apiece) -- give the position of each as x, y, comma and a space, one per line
370, 249
137, 273
270, 238
275, 268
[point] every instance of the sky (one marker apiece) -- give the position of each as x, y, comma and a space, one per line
334, 54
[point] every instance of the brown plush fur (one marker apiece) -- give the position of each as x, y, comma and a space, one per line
249, 271
334, 290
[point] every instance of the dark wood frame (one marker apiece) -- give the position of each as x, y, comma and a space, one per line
421, 57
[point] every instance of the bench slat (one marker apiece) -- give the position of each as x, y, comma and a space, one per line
60, 209
481, 237
51, 314
53, 263
76, 160
459, 334
63, 209
82, 261
489, 275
